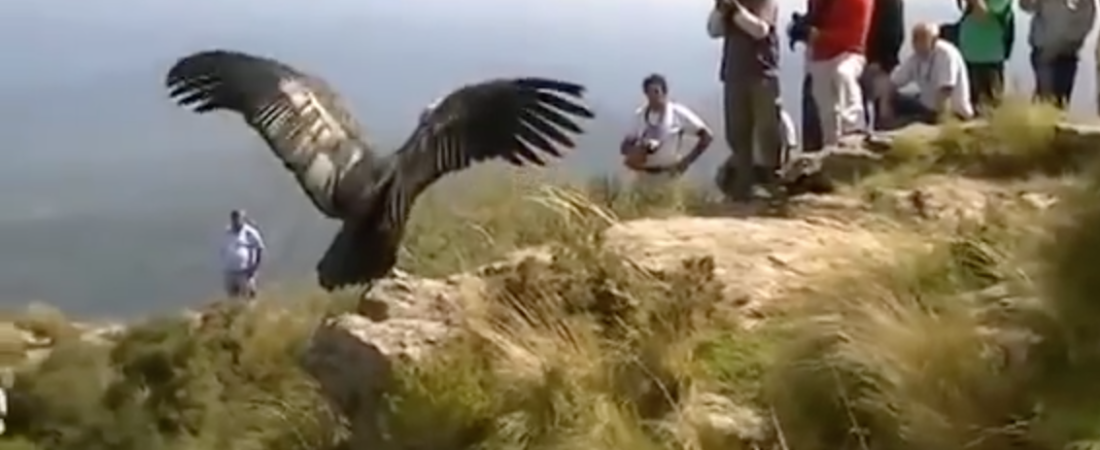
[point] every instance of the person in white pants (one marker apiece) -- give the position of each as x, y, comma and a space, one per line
838, 95
837, 42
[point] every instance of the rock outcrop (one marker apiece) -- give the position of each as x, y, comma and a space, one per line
759, 260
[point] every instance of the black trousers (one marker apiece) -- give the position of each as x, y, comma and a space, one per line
1055, 77
811, 138
987, 82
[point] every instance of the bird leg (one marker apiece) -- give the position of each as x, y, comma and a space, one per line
359, 255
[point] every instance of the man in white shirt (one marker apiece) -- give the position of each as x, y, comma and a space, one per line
938, 70
653, 147
242, 252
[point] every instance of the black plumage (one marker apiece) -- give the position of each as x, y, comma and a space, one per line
524, 121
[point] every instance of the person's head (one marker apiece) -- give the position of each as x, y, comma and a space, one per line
924, 38
236, 219
655, 87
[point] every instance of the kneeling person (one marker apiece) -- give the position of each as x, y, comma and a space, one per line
938, 70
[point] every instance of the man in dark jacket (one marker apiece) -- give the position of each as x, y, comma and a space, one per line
884, 43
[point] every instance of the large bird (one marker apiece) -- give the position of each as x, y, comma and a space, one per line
522, 121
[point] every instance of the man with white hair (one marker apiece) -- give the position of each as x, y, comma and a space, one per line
242, 252
939, 72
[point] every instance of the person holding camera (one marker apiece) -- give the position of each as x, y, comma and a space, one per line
750, 76
836, 34
652, 147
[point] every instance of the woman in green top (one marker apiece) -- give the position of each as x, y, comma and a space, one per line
986, 34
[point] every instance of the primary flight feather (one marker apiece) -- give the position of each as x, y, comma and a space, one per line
523, 121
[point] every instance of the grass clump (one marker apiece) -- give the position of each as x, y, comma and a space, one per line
231, 381
589, 350
1018, 139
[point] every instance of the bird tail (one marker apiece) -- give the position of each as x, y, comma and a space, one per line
359, 254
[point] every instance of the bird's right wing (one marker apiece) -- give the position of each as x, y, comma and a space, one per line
521, 121
303, 121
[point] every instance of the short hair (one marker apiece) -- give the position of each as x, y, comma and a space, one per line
657, 80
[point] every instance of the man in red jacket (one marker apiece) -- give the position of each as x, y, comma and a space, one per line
837, 44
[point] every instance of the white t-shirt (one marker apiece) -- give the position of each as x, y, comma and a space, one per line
666, 127
942, 67
238, 248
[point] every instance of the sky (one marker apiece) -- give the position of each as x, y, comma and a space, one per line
112, 197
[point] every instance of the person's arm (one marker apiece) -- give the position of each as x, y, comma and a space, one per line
758, 21
716, 26
1079, 27
944, 76
886, 87
903, 74
630, 138
694, 124
257, 243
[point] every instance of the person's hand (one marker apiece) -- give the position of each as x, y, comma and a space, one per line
727, 6
813, 35
681, 166
635, 160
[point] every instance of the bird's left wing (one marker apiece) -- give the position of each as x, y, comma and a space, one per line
522, 121
301, 118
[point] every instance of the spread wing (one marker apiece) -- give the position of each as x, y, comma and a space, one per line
303, 121
523, 121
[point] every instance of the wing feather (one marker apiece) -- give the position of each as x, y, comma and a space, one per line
303, 121
523, 121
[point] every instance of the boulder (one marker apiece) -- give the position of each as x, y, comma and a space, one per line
1072, 144
759, 259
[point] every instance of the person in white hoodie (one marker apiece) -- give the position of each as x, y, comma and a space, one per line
1058, 31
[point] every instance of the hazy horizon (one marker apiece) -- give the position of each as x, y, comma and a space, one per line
114, 198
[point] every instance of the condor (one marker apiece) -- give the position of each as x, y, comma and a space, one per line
523, 121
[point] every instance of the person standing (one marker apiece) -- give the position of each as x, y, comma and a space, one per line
242, 253
653, 145
838, 41
985, 39
884, 41
749, 72
1058, 31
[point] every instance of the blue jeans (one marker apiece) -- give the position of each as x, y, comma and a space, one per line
908, 109
1055, 77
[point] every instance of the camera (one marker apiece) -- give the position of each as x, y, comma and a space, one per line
799, 29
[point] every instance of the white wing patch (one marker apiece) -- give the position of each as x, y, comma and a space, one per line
317, 148
323, 128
